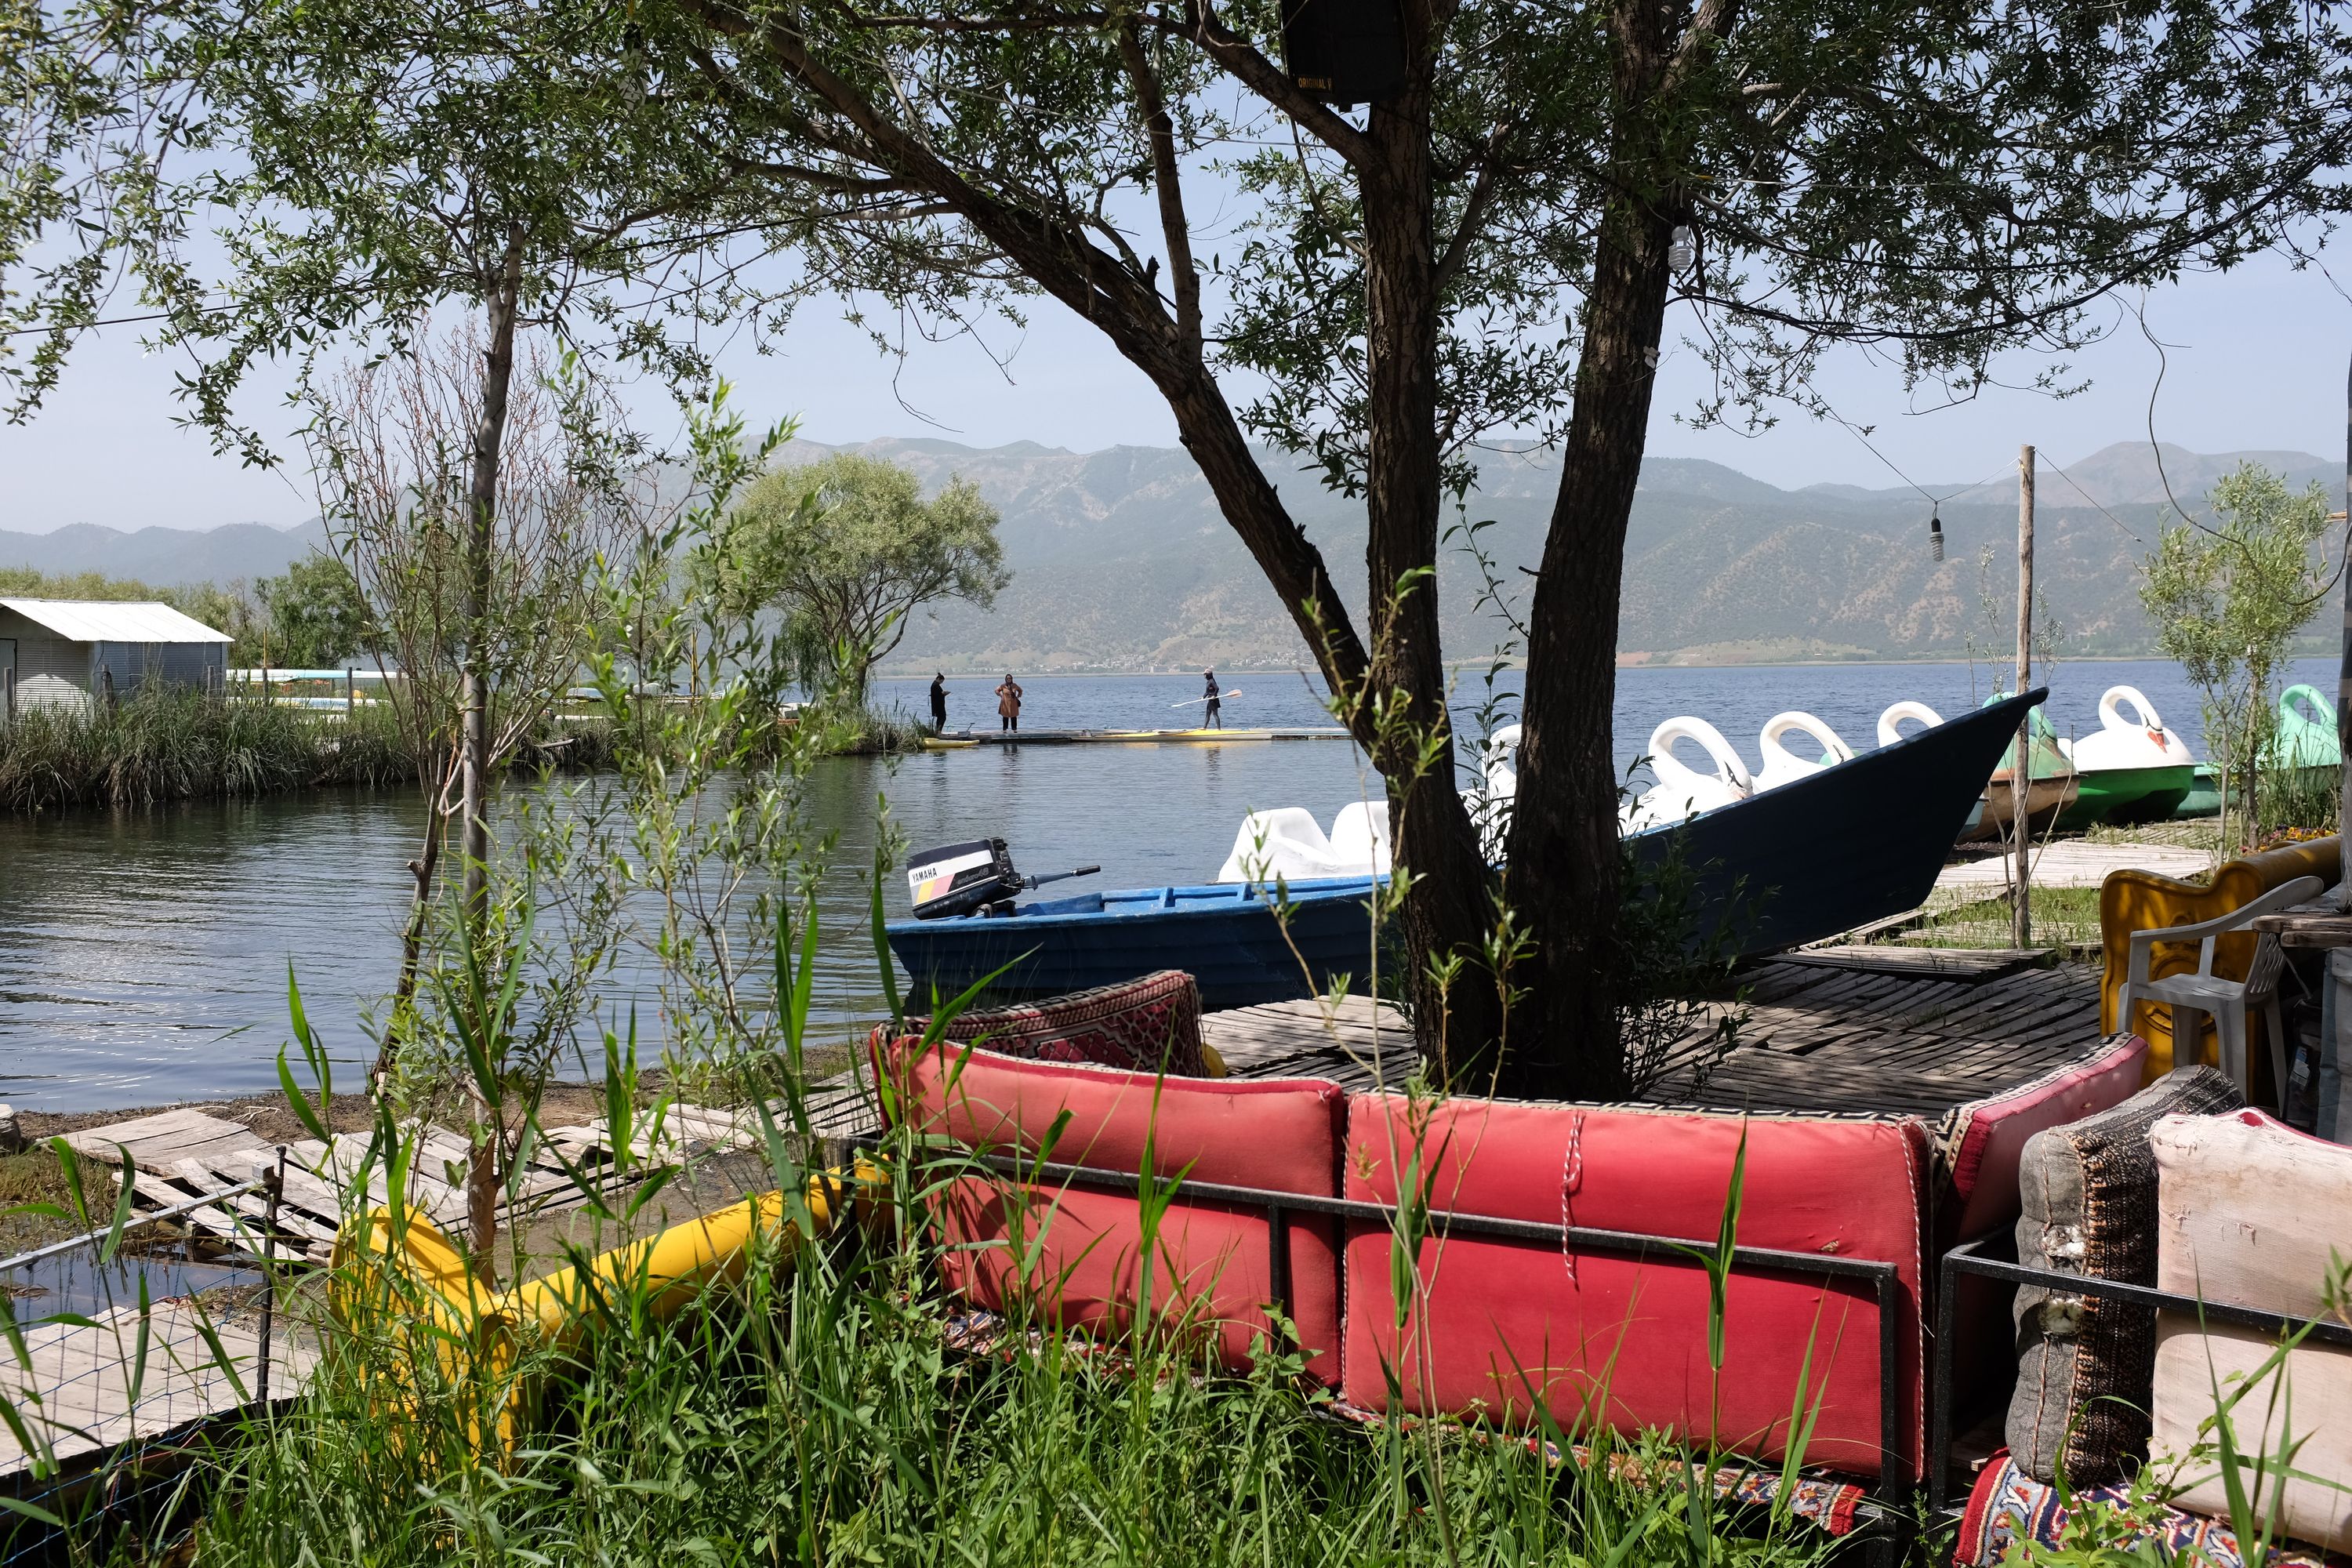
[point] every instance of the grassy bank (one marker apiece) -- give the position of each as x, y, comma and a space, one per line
161, 745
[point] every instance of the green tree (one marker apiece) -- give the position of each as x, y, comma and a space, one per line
1492, 246
2227, 599
363, 171
316, 618
848, 550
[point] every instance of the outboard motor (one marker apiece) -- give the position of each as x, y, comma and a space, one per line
970, 879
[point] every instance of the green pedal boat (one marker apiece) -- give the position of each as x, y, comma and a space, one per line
2131, 769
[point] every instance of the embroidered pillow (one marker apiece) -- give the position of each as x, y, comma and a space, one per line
2085, 1368
1151, 1025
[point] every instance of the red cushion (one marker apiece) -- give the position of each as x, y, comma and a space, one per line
1986, 1137
1147, 1025
1082, 1268
1501, 1321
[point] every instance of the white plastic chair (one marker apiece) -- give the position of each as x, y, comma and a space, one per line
2226, 1002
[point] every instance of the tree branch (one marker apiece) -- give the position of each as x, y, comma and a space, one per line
1177, 230
1257, 73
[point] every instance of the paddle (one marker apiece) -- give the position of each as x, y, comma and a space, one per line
1222, 697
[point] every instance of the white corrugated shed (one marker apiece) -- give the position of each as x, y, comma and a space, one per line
91, 620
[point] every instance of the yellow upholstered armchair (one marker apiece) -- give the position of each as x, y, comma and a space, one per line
2143, 901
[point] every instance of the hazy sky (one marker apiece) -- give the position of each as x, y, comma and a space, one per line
2258, 361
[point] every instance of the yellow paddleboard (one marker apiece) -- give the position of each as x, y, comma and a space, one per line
941, 743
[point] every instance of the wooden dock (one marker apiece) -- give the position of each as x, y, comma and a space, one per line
1905, 1030
1209, 737
186, 1153
125, 1376
86, 1388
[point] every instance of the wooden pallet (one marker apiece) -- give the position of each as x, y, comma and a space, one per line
184, 1155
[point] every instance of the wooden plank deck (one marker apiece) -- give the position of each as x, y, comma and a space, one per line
1913, 1031
72, 1386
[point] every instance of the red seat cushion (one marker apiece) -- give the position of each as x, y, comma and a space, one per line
1984, 1139
1148, 1025
1076, 1255
1603, 1336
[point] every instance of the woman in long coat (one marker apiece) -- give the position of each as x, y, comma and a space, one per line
1008, 702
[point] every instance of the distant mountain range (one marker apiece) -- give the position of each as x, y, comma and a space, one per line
165, 557
1121, 560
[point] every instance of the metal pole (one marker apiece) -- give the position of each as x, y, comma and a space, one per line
2343, 669
273, 1188
2021, 777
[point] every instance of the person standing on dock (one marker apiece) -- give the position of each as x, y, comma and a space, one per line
1008, 702
1210, 715
939, 703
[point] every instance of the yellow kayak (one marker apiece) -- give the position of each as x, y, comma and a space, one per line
941, 743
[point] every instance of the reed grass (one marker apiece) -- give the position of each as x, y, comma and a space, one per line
163, 744
2305, 799
817, 1411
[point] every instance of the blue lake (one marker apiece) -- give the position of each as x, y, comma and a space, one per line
143, 955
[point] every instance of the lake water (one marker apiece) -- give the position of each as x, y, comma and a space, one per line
143, 955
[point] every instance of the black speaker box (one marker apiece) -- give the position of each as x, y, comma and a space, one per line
1345, 51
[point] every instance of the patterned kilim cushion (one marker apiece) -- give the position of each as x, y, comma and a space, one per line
1151, 1024
2086, 1368
2010, 1513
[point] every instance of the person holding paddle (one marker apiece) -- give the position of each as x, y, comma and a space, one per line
1210, 715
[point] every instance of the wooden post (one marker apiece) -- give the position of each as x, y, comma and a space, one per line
2344, 671
2022, 775
351, 692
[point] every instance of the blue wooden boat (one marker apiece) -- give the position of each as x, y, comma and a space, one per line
1851, 843
1225, 934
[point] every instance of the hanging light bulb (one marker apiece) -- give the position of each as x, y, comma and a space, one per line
1682, 250
1935, 534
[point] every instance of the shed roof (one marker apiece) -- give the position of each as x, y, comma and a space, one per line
102, 620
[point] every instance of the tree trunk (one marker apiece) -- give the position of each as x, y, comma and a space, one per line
1458, 1023
1563, 878
1449, 915
412, 938
482, 1174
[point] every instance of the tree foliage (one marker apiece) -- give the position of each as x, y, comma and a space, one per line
1489, 250
2228, 598
848, 550
317, 618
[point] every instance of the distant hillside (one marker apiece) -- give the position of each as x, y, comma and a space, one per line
1121, 560
165, 556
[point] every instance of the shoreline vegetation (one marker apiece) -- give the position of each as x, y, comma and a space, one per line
159, 744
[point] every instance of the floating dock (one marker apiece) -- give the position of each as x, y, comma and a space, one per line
958, 739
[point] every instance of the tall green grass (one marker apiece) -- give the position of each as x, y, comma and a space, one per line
817, 1411
162, 744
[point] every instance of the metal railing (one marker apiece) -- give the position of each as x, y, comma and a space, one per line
1884, 1279
1970, 1258
88, 1390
